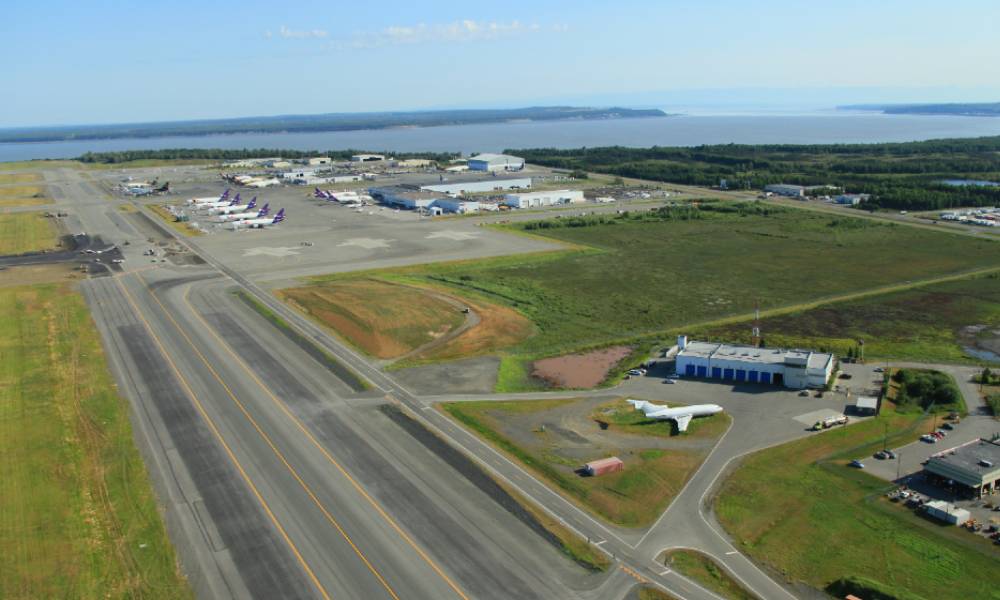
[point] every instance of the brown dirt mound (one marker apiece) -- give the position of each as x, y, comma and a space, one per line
382, 319
499, 327
584, 370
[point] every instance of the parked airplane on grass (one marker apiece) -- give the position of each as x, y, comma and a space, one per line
261, 222
244, 216
681, 415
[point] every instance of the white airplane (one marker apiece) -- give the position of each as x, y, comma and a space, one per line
230, 209
261, 222
262, 183
681, 415
219, 203
244, 216
210, 200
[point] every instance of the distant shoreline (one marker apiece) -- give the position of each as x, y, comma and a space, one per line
326, 123
980, 109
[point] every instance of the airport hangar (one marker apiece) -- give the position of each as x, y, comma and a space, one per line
975, 466
796, 369
495, 162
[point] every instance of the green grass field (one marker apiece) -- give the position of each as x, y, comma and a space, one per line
921, 324
633, 497
20, 177
26, 232
640, 279
78, 518
22, 195
707, 573
800, 510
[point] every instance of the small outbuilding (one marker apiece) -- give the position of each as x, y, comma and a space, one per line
866, 405
949, 513
603, 466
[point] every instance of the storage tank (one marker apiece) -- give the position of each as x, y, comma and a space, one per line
682, 342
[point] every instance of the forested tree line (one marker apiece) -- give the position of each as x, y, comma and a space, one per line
898, 175
244, 153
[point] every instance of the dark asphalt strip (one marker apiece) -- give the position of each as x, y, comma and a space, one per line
437, 531
266, 565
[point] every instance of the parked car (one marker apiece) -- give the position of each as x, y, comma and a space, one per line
881, 455
890, 454
673, 376
670, 381
634, 372
879, 370
948, 426
857, 464
929, 438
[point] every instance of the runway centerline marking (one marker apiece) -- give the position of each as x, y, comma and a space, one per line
274, 448
301, 426
218, 435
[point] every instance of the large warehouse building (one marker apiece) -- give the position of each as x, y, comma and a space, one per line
490, 184
796, 369
496, 162
548, 198
974, 466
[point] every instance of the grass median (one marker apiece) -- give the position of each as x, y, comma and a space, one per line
706, 573
78, 518
26, 232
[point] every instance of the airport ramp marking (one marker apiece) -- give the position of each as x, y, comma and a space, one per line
457, 236
279, 252
817, 415
367, 243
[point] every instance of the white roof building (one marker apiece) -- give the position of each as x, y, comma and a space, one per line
496, 162
490, 184
795, 369
546, 198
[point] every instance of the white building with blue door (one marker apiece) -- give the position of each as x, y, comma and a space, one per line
796, 369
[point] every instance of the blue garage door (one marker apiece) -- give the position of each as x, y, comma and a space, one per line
702, 371
717, 372
689, 370
727, 374
765, 377
753, 376
741, 375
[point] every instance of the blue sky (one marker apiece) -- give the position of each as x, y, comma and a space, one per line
101, 61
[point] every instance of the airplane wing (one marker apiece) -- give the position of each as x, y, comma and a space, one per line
682, 422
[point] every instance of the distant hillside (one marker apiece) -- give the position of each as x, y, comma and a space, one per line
314, 123
980, 109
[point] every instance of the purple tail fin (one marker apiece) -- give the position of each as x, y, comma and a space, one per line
278, 218
252, 203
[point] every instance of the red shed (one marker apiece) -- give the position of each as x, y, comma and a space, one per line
604, 465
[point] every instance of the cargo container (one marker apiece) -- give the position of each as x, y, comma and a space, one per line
603, 466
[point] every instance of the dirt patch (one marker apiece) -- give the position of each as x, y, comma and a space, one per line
30, 275
382, 319
584, 370
499, 327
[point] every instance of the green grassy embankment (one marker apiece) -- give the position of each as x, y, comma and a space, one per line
26, 232
706, 573
182, 227
799, 509
78, 518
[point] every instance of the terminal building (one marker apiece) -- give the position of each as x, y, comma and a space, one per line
796, 369
973, 467
495, 162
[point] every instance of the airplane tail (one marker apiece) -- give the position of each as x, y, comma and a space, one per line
236, 200
638, 404
265, 209
224, 195
278, 218
252, 203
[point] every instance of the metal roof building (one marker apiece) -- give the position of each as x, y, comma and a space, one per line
974, 465
795, 369
496, 162
490, 184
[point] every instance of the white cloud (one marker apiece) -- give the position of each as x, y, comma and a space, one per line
297, 34
466, 30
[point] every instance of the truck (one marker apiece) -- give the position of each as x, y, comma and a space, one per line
829, 422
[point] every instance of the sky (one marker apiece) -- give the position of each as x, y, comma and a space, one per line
72, 62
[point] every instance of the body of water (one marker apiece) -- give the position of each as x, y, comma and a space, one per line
687, 130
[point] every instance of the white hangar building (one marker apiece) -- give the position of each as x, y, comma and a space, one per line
796, 369
495, 162
490, 184
548, 198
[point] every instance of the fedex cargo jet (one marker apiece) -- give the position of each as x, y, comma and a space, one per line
261, 222
203, 201
234, 208
244, 216
681, 415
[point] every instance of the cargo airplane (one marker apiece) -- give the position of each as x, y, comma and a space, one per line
244, 216
681, 415
205, 201
230, 209
260, 223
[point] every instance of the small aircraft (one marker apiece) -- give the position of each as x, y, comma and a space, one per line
261, 222
681, 415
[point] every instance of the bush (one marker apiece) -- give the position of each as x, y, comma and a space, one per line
926, 389
869, 589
